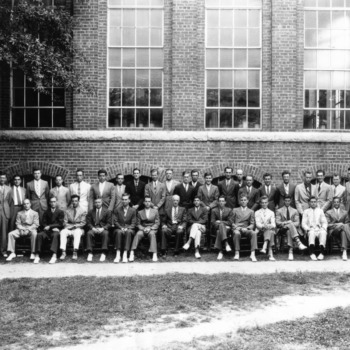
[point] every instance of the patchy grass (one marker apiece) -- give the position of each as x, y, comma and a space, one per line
39, 313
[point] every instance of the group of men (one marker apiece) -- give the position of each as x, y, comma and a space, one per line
187, 212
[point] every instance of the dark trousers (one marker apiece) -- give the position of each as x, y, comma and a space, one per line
3, 231
14, 211
121, 237
90, 240
46, 235
221, 234
167, 232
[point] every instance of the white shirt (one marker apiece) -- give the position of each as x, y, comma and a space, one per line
147, 211
228, 183
173, 214
15, 199
268, 189
84, 191
37, 187
265, 217
186, 187
286, 188
125, 210
169, 185
208, 187
101, 187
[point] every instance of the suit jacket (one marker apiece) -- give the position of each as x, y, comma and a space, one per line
108, 195
186, 197
243, 218
40, 201
5, 200
302, 197
53, 219
253, 197
226, 216
136, 195
272, 197
169, 194
63, 196
268, 219
325, 196
281, 216
347, 187
208, 199
229, 192
27, 222
128, 221
333, 218
79, 220
84, 193
200, 217
281, 194
118, 195
167, 219
340, 191
157, 195
105, 219
153, 221
23, 194
313, 219
196, 187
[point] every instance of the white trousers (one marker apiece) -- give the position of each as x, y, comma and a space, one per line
76, 233
196, 234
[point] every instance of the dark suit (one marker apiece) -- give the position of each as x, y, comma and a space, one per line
292, 230
104, 221
221, 228
208, 199
253, 197
272, 196
333, 218
15, 208
55, 220
196, 187
122, 221
229, 192
5, 199
108, 195
195, 220
39, 203
136, 194
281, 194
186, 197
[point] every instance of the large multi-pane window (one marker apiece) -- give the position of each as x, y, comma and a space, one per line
233, 64
135, 63
327, 64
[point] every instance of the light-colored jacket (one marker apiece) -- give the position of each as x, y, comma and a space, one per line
314, 219
63, 196
27, 220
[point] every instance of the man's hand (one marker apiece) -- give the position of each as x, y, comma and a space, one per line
201, 228
46, 228
164, 226
135, 206
155, 207
147, 229
243, 230
217, 221
208, 208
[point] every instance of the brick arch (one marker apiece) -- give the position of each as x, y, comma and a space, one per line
329, 169
126, 168
26, 168
218, 170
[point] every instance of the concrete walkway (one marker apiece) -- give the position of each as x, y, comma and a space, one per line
44, 270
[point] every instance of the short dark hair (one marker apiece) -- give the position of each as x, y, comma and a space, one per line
75, 196
79, 171
154, 170
98, 199
185, 172
126, 195
16, 175
147, 197
336, 175
136, 169
2, 173
119, 174
59, 175
169, 170
208, 174
334, 198
102, 171
285, 172
287, 197
36, 169
196, 197
222, 196
320, 171
312, 197
263, 198
243, 195
228, 167
266, 175
307, 172
194, 171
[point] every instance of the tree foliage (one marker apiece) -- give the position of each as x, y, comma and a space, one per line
38, 40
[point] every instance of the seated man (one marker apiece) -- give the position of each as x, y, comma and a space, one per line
98, 222
265, 223
314, 223
250, 192
147, 224
338, 225
197, 218
221, 225
174, 222
53, 221
27, 222
243, 222
125, 223
74, 222
288, 222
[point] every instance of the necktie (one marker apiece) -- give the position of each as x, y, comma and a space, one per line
19, 200
220, 215
319, 188
288, 216
186, 187
227, 183
175, 214
136, 184
98, 217
79, 189
74, 212
268, 190
154, 186
248, 191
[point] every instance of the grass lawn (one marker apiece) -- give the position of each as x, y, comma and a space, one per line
38, 313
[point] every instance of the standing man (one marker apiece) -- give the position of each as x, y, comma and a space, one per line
170, 185
339, 191
61, 193
285, 189
18, 195
221, 225
27, 223
38, 193
208, 193
81, 189
74, 222
136, 189
266, 224
250, 192
147, 223
125, 223
288, 222
119, 191
156, 191
303, 192
229, 188
52, 224
347, 186
195, 183
104, 190
185, 191
314, 223
240, 182
5, 200
324, 192
268, 190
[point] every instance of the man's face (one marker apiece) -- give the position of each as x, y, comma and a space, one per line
336, 180
154, 176
186, 179
249, 181
336, 203
244, 202
239, 175
195, 176
37, 174
126, 201
228, 174
320, 177
175, 202
264, 203
147, 203
17, 181
98, 203
102, 177
2, 180
120, 179
208, 180
267, 180
75, 202
286, 178
308, 178
169, 175
59, 181
222, 203
26, 204
287, 202
53, 203
313, 203
136, 174
196, 202
79, 176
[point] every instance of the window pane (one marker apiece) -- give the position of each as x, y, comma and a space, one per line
240, 118
114, 78
58, 97
253, 119
254, 58
17, 118
324, 38
226, 79
142, 78
212, 59
254, 18
240, 38
156, 18
211, 118
32, 118
142, 38
128, 78
157, 58
310, 38
324, 119
45, 98
115, 36
240, 79
347, 99
156, 97
254, 79
253, 98
142, 18
128, 97
225, 98
128, 118
45, 118
156, 118
142, 118
310, 119
128, 57
213, 37
310, 98
212, 78
226, 118
324, 19
213, 18
225, 58
325, 99
114, 57
310, 80
324, 80
240, 18
337, 119
156, 78
226, 37
338, 81
240, 58
128, 37
338, 19
18, 78
240, 98
114, 97
347, 120
128, 18
115, 18
310, 19
212, 98
156, 37
31, 97
18, 97
142, 97
142, 58
226, 18
114, 119
253, 37
323, 58
59, 118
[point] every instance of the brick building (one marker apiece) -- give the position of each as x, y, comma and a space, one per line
262, 85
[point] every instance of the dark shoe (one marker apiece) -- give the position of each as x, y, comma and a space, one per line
176, 254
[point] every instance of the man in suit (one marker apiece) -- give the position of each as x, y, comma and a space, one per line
324, 192
173, 223
250, 192
98, 222
197, 219
61, 193
125, 223
17, 196
285, 189
195, 183
208, 193
5, 200
240, 181
303, 192
104, 190
27, 223
339, 191
185, 191
81, 189
119, 191
243, 222
136, 189
338, 225
221, 225
52, 224
38, 193
229, 188
170, 185
314, 224
156, 191
266, 224
268, 190
74, 222
288, 223
147, 223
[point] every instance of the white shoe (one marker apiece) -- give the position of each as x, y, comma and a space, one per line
290, 257
53, 260
301, 246
75, 256
131, 257
236, 257
228, 248
125, 257
253, 258
271, 258
345, 255
154, 258
117, 259
11, 256
220, 256
186, 246
103, 257
313, 257
63, 256
320, 256
32, 256
36, 260
263, 251
89, 258
197, 255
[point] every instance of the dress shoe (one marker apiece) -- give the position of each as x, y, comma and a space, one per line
154, 258
320, 256
263, 251
89, 258
176, 254
32, 256
186, 246
36, 260
220, 256
75, 256
103, 257
313, 257
290, 257
228, 248
236, 257
345, 255
63, 256
4, 255
271, 258
125, 257
11, 256
301, 246
53, 260
131, 257
253, 258
197, 255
